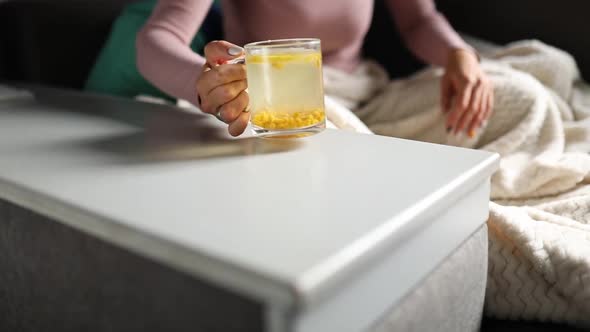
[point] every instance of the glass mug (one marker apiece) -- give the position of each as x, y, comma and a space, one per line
286, 89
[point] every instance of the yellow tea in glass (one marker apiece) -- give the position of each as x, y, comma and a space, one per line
285, 85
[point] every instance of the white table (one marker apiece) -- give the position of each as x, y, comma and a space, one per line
308, 228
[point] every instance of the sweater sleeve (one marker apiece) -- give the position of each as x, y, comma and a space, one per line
425, 31
164, 56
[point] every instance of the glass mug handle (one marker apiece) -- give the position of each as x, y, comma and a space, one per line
240, 60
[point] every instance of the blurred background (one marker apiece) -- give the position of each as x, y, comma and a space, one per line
57, 42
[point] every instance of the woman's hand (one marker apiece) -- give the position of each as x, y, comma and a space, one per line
221, 87
467, 95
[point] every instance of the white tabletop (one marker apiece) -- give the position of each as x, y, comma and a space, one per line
273, 219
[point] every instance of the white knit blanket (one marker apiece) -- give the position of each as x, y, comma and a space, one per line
539, 224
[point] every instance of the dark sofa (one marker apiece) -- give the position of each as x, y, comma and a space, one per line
55, 43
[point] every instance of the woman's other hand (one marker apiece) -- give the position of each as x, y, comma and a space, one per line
467, 95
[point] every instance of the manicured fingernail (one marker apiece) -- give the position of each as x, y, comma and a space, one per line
449, 128
234, 50
471, 133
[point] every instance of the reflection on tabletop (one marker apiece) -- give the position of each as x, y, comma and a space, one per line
158, 132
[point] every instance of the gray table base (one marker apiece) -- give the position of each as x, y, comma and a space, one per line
53, 277
451, 298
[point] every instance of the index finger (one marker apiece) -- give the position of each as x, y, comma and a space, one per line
219, 51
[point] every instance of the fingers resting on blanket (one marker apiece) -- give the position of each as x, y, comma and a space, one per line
467, 94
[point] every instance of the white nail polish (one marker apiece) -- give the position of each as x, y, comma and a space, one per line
234, 50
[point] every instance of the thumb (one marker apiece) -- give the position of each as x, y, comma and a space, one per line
219, 51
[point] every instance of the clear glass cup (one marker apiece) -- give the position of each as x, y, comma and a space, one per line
285, 86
